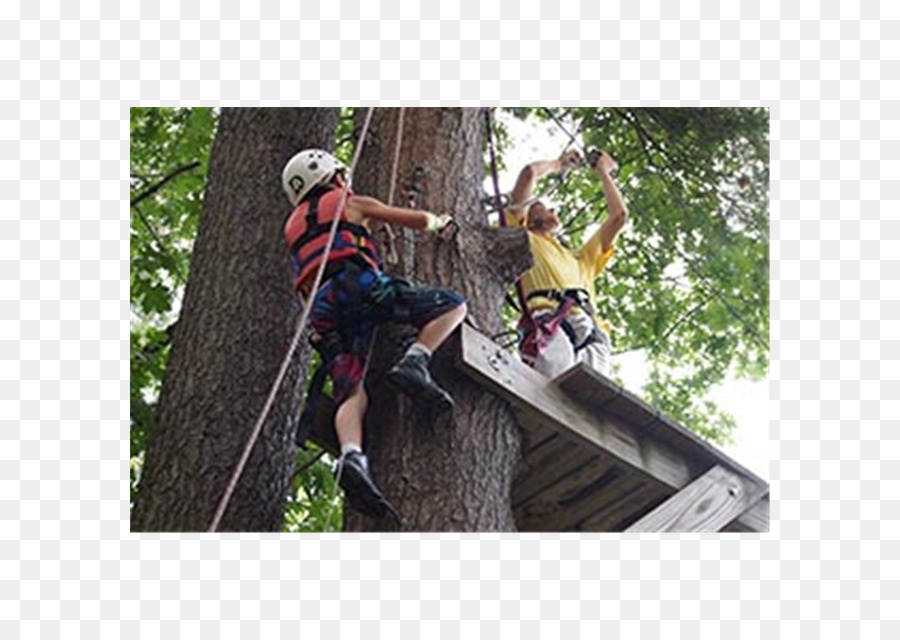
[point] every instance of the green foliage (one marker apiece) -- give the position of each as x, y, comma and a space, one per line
169, 156
689, 284
345, 139
312, 501
149, 352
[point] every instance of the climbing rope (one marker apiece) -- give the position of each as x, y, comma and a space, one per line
331, 500
498, 201
396, 163
226, 497
392, 256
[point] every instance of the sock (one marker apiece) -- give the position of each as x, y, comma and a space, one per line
418, 349
350, 446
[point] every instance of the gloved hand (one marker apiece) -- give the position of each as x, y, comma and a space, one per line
444, 226
569, 159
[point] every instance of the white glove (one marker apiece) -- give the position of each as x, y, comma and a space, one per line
439, 224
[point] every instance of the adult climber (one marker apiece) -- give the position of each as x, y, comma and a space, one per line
564, 327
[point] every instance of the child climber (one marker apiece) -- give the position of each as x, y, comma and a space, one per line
354, 298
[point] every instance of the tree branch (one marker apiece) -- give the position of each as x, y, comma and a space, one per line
308, 464
644, 136
159, 243
686, 316
149, 191
737, 316
148, 225
561, 126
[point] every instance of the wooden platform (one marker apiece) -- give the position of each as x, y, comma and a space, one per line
598, 458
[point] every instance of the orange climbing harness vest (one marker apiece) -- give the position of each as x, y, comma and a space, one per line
306, 232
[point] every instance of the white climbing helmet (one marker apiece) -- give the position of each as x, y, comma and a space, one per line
308, 169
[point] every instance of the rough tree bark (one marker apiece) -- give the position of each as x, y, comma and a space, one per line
453, 474
238, 317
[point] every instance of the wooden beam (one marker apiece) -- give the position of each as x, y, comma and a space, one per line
620, 490
547, 464
755, 519
541, 401
533, 435
706, 504
602, 394
604, 418
543, 511
626, 509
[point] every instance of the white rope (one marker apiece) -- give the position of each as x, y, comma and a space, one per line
223, 503
392, 256
396, 156
331, 501
373, 340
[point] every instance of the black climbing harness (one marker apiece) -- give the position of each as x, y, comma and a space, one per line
566, 299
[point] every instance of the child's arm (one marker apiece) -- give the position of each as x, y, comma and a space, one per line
419, 219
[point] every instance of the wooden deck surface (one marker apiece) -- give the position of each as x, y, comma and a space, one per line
598, 458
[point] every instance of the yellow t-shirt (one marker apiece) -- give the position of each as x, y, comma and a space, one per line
556, 267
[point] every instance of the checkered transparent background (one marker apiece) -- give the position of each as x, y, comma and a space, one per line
68, 564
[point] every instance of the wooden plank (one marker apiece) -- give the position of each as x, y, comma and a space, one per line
586, 389
706, 504
542, 512
533, 434
621, 493
628, 507
580, 378
755, 519
665, 453
599, 392
602, 394
533, 393
659, 455
548, 464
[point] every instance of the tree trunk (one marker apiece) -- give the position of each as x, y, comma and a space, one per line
238, 317
453, 474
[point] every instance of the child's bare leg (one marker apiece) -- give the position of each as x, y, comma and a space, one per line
433, 334
348, 421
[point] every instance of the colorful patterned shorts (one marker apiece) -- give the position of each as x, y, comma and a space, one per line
349, 307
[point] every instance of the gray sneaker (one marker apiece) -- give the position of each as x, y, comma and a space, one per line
411, 376
361, 491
